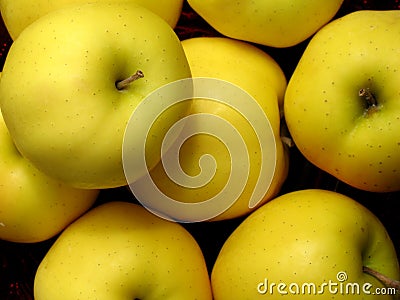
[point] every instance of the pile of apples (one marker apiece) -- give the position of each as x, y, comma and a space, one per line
89, 92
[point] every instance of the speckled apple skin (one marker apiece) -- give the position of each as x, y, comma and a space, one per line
278, 24
58, 93
306, 236
119, 250
328, 120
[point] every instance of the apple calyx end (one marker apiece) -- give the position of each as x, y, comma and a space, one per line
386, 281
122, 84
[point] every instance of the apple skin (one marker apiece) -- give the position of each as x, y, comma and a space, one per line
18, 14
306, 236
258, 74
328, 120
119, 250
272, 23
33, 206
58, 93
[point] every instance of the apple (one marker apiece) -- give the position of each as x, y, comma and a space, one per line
306, 244
260, 84
342, 103
64, 95
272, 23
18, 14
119, 250
34, 207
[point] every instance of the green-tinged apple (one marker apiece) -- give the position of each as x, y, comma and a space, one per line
307, 244
64, 95
18, 14
342, 104
119, 250
255, 72
272, 23
34, 207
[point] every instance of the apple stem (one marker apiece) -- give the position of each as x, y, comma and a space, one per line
285, 135
287, 141
388, 282
126, 82
368, 96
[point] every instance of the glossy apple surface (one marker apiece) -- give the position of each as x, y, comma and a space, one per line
272, 23
59, 96
121, 251
342, 103
34, 207
256, 73
301, 241
18, 14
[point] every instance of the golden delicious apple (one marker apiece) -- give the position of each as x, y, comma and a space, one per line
61, 92
119, 250
18, 14
34, 207
263, 83
307, 244
268, 22
342, 104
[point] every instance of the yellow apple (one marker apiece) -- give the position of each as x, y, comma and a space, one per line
307, 244
342, 103
18, 14
272, 23
34, 207
61, 96
119, 250
263, 84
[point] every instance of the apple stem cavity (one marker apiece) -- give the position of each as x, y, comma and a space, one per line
123, 84
366, 94
388, 282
